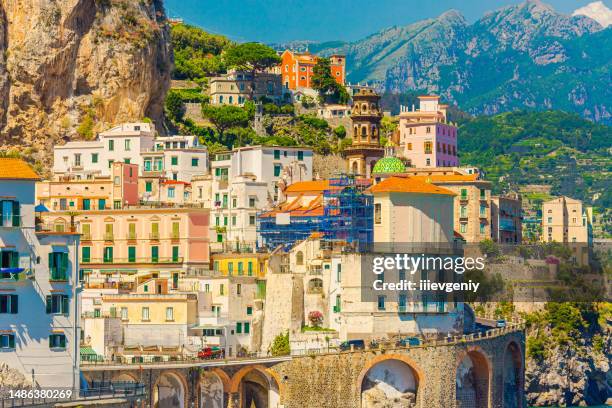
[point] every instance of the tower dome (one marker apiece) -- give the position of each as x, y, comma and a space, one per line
389, 165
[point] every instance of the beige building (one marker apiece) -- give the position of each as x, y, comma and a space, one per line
235, 88
506, 218
568, 221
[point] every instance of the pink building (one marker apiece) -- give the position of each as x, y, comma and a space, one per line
426, 138
116, 191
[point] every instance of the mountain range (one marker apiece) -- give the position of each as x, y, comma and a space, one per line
521, 56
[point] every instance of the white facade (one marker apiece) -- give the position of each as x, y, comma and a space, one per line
172, 157
246, 181
38, 307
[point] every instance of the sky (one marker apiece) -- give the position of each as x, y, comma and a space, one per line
324, 20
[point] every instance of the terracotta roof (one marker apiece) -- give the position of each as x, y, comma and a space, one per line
16, 169
408, 185
314, 208
303, 186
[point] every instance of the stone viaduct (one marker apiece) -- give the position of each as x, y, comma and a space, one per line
483, 371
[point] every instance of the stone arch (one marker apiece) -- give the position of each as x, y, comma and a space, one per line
125, 376
512, 374
256, 383
404, 374
212, 388
473, 379
170, 390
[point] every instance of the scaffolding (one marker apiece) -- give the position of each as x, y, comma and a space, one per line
346, 223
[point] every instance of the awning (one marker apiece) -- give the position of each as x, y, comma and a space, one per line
207, 326
59, 248
88, 351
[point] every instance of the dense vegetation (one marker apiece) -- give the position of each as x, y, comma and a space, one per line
555, 148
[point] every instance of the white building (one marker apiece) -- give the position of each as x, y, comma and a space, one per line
248, 180
38, 287
170, 157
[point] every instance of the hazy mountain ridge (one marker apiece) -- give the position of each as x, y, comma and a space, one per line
521, 56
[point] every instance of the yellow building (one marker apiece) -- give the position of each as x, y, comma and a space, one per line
240, 264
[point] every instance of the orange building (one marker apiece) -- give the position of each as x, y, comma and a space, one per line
297, 69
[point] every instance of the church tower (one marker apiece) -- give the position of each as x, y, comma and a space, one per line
365, 150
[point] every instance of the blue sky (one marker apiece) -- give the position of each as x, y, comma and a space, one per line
323, 20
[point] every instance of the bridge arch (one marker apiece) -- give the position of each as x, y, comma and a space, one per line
212, 388
513, 378
125, 376
400, 375
473, 379
256, 384
170, 390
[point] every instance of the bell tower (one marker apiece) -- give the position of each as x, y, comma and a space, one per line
365, 150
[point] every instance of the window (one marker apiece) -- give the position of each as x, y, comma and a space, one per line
252, 202
250, 268
251, 220
276, 154
464, 194
85, 254
57, 341
483, 193
171, 192
463, 211
195, 162
233, 220
428, 129
154, 230
154, 253
101, 204
249, 310
221, 289
117, 204
77, 159
131, 231
175, 254
428, 162
338, 272
300, 155
86, 204
131, 254
277, 170
169, 314
58, 265
427, 147
124, 313
127, 160
409, 146
148, 186
338, 304
108, 254
482, 227
299, 258
239, 289
402, 303
224, 204
94, 157
57, 304
111, 145
240, 269
145, 314
483, 210
377, 213
174, 160
127, 145
247, 327
230, 268
463, 228
238, 327
381, 302
7, 341
9, 304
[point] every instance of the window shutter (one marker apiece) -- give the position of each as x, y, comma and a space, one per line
49, 303
16, 213
51, 264
14, 304
51, 340
15, 260
62, 339
65, 304
11, 340
64, 273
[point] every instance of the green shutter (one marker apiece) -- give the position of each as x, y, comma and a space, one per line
11, 340
131, 254
86, 254
154, 253
51, 340
14, 259
14, 304
49, 303
51, 265
64, 271
62, 338
247, 327
65, 305
16, 213
175, 254
239, 328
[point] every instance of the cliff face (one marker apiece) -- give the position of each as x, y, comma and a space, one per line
71, 67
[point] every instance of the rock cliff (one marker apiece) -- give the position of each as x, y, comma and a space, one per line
69, 68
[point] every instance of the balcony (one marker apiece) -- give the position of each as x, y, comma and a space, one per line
58, 274
154, 236
11, 221
85, 237
108, 236
149, 260
175, 236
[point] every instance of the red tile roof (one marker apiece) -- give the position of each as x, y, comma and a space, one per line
16, 169
408, 185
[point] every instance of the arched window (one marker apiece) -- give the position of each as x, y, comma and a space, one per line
299, 258
364, 130
355, 168
356, 132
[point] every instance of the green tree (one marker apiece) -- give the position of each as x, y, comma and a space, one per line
340, 132
175, 109
224, 117
280, 345
322, 81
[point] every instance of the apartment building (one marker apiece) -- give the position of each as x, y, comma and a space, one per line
426, 137
507, 219
116, 191
246, 181
38, 286
240, 264
297, 69
569, 221
119, 245
236, 87
172, 157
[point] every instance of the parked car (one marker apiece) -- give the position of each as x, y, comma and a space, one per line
501, 323
209, 353
357, 345
409, 341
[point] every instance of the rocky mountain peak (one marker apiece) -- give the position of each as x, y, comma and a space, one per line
453, 17
596, 10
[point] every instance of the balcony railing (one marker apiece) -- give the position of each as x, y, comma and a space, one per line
154, 236
160, 260
108, 236
131, 236
11, 220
